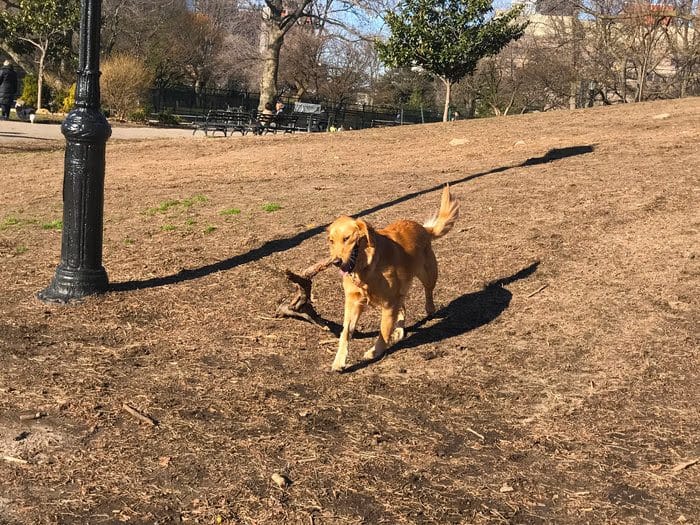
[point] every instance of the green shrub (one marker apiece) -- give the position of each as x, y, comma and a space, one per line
68, 100
139, 115
166, 118
30, 91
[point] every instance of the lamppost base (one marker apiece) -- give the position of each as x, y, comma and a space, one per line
73, 284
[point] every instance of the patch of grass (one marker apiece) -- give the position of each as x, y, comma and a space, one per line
9, 221
129, 241
194, 200
230, 211
13, 220
163, 206
53, 225
168, 227
209, 229
19, 250
168, 204
190, 221
271, 206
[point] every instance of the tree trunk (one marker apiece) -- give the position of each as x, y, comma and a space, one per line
40, 76
471, 107
573, 94
448, 96
271, 60
641, 79
510, 104
300, 90
684, 84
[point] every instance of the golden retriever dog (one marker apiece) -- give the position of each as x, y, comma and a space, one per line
378, 267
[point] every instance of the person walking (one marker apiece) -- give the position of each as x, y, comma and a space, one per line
8, 89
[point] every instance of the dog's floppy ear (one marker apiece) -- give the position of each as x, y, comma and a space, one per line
368, 233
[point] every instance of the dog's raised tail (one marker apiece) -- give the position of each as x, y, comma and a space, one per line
443, 221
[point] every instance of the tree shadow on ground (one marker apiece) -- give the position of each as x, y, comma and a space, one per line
463, 314
280, 245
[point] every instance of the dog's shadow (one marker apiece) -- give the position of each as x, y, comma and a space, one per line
465, 313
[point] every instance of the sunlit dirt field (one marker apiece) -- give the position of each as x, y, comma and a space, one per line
557, 383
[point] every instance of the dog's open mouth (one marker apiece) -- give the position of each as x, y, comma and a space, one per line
349, 266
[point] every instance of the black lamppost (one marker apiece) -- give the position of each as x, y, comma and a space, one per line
80, 271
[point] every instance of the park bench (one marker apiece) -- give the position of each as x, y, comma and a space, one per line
224, 121
376, 123
267, 123
310, 117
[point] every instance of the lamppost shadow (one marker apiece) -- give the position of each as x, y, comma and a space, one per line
463, 314
280, 245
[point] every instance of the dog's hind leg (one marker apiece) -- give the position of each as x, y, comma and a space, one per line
353, 310
389, 317
428, 275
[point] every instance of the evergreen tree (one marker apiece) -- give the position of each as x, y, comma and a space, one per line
447, 38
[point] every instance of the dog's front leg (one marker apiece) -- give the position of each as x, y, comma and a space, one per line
353, 309
389, 316
400, 329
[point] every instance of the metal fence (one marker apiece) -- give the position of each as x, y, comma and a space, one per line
187, 104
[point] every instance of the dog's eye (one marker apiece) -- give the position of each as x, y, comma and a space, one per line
346, 238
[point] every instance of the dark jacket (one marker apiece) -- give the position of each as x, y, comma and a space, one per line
8, 82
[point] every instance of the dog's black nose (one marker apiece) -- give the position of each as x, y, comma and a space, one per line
337, 261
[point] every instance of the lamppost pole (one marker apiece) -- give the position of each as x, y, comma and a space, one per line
80, 272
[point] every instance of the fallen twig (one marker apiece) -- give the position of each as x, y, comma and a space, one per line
138, 415
36, 415
300, 306
476, 434
684, 465
538, 290
12, 459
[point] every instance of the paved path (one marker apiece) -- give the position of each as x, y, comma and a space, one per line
13, 130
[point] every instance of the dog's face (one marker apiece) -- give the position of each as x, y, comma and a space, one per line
347, 240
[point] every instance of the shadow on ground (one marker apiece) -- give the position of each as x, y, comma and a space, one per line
463, 314
280, 245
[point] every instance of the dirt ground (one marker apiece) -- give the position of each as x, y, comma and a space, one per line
557, 383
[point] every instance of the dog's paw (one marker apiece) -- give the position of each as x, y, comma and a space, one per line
398, 334
373, 353
337, 367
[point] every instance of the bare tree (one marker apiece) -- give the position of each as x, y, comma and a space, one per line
132, 25
644, 24
277, 19
302, 66
682, 36
198, 47
348, 67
